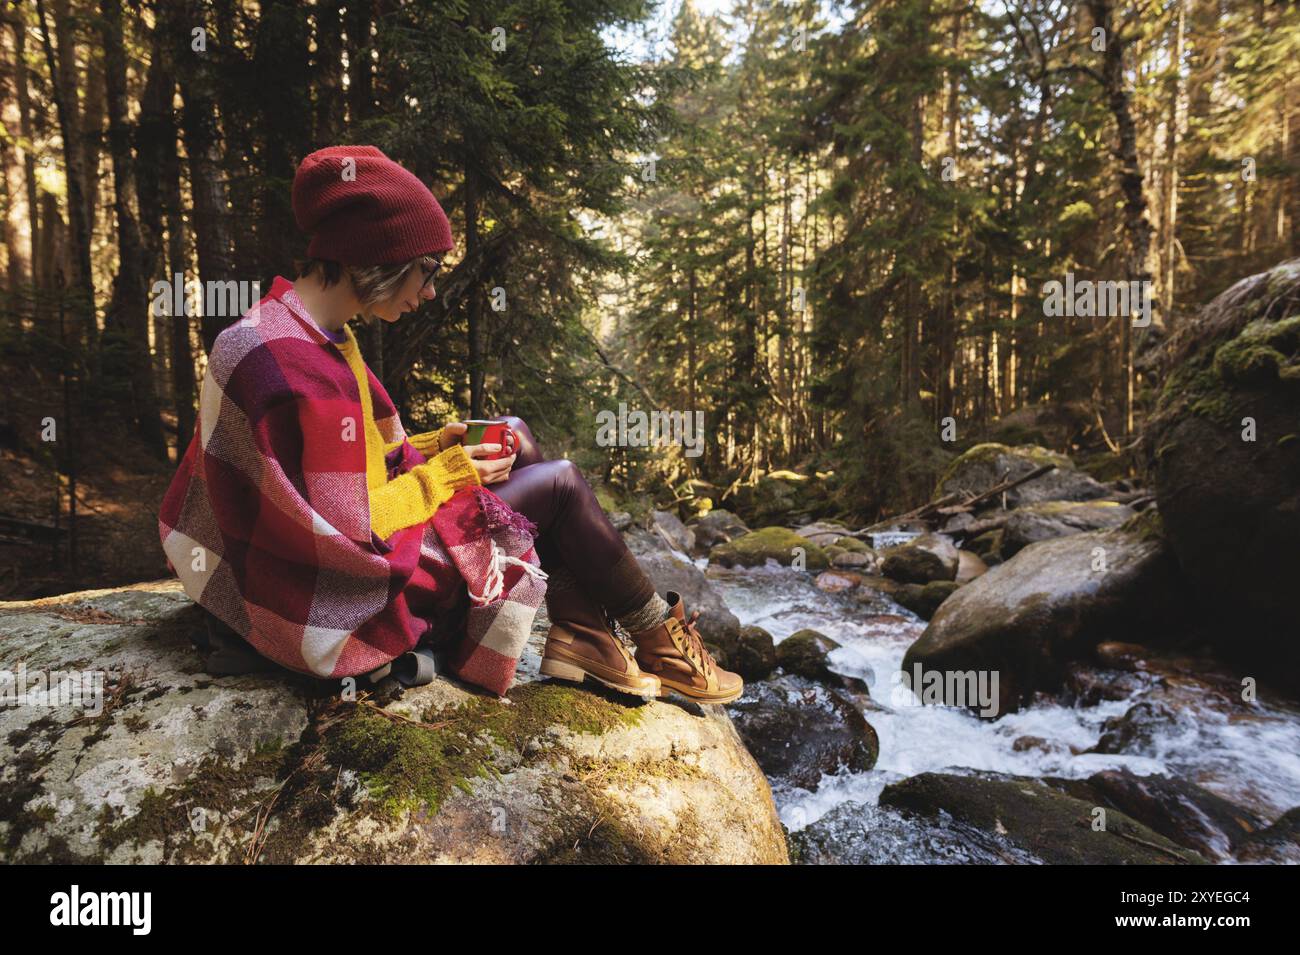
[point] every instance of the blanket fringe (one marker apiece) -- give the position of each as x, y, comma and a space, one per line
501, 514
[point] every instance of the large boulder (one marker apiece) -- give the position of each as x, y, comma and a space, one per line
1231, 506
985, 465
1051, 603
781, 544
177, 765
1055, 424
1057, 828
1047, 519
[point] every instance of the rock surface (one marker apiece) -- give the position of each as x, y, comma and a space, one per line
985, 465
668, 571
1055, 827
1230, 506
1051, 603
1048, 519
716, 527
857, 834
919, 561
780, 544
182, 766
798, 730
1180, 810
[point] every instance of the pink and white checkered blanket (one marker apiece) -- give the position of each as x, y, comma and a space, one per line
267, 520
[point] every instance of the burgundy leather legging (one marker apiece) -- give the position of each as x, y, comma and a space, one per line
573, 530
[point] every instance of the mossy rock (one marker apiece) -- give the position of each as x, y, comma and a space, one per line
1230, 505
921, 560
778, 543
182, 766
753, 655
804, 653
853, 544
986, 545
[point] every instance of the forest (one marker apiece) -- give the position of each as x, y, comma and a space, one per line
830, 228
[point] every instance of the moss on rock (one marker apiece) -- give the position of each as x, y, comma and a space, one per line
409, 766
990, 451
779, 543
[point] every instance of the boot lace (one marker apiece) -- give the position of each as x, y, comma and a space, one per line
694, 645
612, 624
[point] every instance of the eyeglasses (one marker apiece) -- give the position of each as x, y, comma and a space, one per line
429, 278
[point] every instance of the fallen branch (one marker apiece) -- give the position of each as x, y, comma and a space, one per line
957, 498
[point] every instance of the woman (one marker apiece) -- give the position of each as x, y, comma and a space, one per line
378, 237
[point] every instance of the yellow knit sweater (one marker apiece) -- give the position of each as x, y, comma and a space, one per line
413, 497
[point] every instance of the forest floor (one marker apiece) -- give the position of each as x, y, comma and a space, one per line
119, 492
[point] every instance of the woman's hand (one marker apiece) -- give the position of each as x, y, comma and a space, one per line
450, 434
490, 472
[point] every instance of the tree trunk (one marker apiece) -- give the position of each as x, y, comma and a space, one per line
21, 81
63, 89
128, 314
1169, 179
474, 291
1137, 226
212, 240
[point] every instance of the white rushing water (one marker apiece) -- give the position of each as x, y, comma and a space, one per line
1254, 762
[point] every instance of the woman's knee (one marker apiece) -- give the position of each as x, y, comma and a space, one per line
567, 482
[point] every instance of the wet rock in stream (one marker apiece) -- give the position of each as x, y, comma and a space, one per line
797, 730
1184, 812
1058, 828
856, 834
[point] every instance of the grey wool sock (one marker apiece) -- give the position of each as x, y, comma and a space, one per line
654, 611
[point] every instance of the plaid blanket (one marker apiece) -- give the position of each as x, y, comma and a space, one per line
267, 520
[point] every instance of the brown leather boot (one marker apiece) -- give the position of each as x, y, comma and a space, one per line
582, 644
674, 652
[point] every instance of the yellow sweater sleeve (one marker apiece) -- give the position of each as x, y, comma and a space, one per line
426, 442
413, 497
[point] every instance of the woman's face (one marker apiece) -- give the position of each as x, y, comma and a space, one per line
413, 290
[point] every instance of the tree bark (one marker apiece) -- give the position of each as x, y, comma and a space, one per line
212, 240
128, 312
1137, 226
64, 91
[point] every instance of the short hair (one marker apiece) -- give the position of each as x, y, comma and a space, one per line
371, 283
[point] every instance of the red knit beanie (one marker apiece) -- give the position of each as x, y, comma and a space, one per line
369, 211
